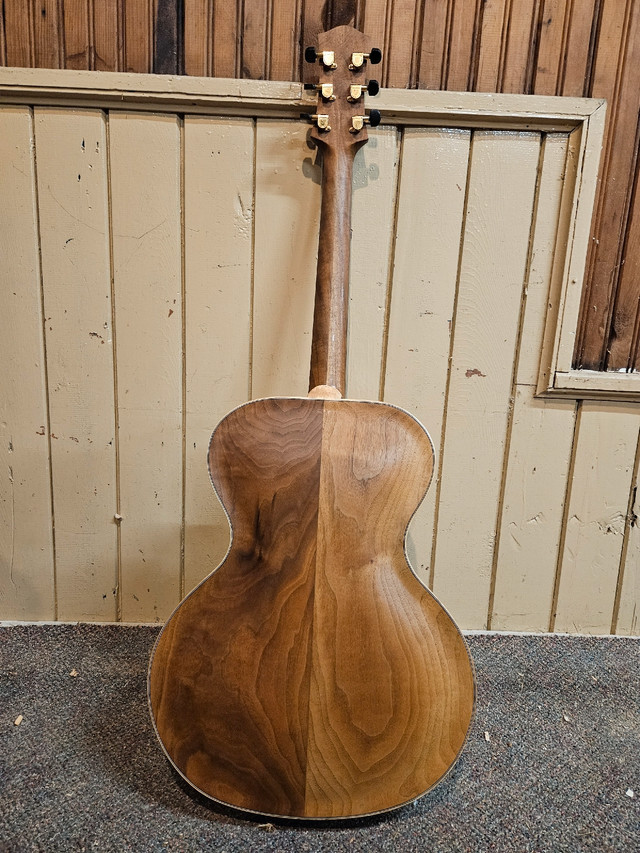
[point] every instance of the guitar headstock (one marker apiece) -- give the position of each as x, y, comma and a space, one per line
343, 55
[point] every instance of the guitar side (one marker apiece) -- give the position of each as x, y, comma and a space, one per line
312, 675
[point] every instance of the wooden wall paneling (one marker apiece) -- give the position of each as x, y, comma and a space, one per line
604, 453
27, 585
616, 77
502, 182
18, 33
623, 343
287, 216
491, 49
540, 441
376, 26
138, 21
551, 44
517, 72
255, 41
74, 224
433, 44
430, 216
461, 60
107, 35
372, 232
226, 35
198, 18
75, 32
168, 46
144, 155
627, 618
285, 49
218, 204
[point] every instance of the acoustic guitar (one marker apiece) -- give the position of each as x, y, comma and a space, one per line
312, 675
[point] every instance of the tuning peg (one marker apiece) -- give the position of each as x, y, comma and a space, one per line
358, 59
327, 57
356, 91
322, 121
358, 122
326, 89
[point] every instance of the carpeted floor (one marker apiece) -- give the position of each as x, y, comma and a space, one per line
552, 763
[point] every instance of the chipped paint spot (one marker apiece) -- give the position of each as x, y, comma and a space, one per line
474, 372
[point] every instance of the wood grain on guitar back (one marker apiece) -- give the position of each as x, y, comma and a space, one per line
312, 675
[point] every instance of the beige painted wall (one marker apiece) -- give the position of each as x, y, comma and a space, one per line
157, 270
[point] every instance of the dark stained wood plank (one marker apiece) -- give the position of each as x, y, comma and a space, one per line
18, 33
76, 34
285, 49
616, 77
314, 22
433, 44
517, 74
256, 26
463, 36
168, 29
551, 36
225, 39
376, 26
107, 35
198, 16
625, 326
48, 34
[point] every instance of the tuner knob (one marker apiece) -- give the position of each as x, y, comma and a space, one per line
374, 118
375, 56
373, 87
358, 59
327, 57
358, 122
356, 90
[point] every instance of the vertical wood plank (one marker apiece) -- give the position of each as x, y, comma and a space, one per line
18, 19
197, 37
107, 36
74, 226
400, 58
495, 248
433, 45
76, 34
430, 214
27, 585
628, 616
225, 38
607, 436
286, 241
535, 479
167, 47
492, 46
256, 24
376, 26
372, 217
577, 57
285, 49
517, 72
138, 36
144, 155
48, 34
218, 199
551, 46
461, 58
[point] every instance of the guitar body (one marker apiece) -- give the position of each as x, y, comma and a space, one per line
312, 675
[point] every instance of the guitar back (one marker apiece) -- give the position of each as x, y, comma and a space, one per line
312, 675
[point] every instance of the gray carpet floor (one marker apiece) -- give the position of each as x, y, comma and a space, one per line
552, 763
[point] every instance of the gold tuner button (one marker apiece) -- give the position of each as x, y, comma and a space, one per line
359, 59
326, 57
322, 121
326, 90
358, 122
355, 92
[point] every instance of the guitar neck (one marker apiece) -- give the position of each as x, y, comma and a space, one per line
339, 133
330, 319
